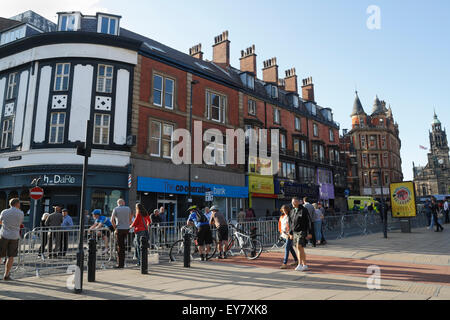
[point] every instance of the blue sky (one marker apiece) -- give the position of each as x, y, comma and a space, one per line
406, 62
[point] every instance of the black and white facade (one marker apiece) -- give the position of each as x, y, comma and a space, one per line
51, 83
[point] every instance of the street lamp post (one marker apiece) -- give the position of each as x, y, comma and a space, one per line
194, 82
83, 150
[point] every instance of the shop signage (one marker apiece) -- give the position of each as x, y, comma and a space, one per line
59, 179
289, 189
403, 199
261, 184
145, 184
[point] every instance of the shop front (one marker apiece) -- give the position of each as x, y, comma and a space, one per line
261, 194
62, 186
154, 193
287, 189
326, 187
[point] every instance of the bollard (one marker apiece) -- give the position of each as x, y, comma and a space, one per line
92, 256
253, 237
187, 250
144, 255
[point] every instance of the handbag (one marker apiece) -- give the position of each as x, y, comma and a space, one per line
147, 234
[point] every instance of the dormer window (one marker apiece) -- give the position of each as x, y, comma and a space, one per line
108, 25
295, 101
313, 109
272, 91
248, 80
68, 22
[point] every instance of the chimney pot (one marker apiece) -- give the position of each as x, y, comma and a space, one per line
291, 81
308, 89
270, 71
248, 60
221, 50
196, 51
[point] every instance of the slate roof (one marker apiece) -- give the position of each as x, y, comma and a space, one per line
357, 107
378, 107
8, 24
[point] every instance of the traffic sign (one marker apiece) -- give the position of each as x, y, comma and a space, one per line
36, 193
209, 196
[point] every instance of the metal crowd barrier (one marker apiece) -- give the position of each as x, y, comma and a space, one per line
51, 250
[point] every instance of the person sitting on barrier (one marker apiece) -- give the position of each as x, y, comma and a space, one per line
221, 224
10, 219
283, 228
140, 225
99, 223
204, 235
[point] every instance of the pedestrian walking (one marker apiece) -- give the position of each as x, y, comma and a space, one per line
436, 214
310, 209
121, 221
446, 211
300, 231
283, 228
241, 217
204, 235
102, 222
10, 220
54, 222
250, 215
67, 224
140, 224
219, 221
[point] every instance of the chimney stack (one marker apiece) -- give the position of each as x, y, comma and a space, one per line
270, 71
196, 51
308, 89
221, 50
281, 84
248, 60
291, 81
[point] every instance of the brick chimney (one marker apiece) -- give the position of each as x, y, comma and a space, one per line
308, 89
282, 84
248, 60
270, 71
196, 51
291, 81
221, 50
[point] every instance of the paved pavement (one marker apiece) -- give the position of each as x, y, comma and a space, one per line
338, 271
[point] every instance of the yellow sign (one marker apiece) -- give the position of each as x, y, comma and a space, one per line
261, 184
260, 166
403, 200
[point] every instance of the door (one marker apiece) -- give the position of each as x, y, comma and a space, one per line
170, 207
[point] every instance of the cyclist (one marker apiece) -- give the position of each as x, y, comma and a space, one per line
204, 235
220, 222
100, 222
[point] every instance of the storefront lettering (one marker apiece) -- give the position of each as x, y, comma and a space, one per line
59, 179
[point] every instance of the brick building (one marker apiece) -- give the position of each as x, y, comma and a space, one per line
373, 145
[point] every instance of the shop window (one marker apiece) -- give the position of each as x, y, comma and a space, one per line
3, 204
99, 201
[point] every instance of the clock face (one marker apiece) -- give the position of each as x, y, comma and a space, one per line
441, 161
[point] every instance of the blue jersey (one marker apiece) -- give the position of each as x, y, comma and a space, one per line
104, 220
193, 217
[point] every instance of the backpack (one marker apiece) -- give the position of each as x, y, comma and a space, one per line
201, 218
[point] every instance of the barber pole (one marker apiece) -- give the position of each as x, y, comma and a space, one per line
129, 181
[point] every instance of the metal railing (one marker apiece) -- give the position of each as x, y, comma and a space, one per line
52, 250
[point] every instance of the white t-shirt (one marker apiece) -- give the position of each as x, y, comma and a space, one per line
11, 220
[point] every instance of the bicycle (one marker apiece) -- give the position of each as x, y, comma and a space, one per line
176, 252
243, 244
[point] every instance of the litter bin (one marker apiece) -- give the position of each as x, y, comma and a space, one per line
405, 225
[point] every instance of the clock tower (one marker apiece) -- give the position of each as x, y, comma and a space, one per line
435, 177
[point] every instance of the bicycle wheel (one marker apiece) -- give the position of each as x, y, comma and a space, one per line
213, 250
252, 249
232, 248
176, 252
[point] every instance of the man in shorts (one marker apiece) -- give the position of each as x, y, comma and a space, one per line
10, 219
204, 235
300, 231
221, 224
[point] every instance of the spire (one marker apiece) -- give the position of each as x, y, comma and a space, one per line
357, 106
377, 106
389, 112
436, 120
